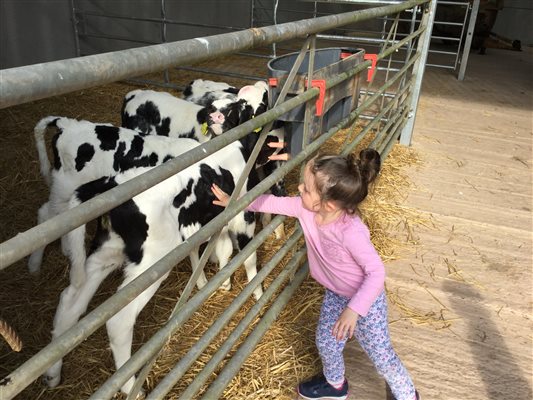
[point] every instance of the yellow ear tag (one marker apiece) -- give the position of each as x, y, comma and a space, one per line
204, 128
257, 130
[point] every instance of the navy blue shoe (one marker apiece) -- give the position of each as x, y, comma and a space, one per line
319, 388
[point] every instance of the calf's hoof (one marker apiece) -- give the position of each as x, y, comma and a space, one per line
51, 381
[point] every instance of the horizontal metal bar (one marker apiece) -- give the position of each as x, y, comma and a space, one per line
443, 52
155, 83
440, 66
222, 73
119, 38
363, 2
453, 39
453, 3
159, 20
354, 39
33, 82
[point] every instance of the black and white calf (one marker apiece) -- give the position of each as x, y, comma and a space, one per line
141, 231
204, 92
160, 113
84, 151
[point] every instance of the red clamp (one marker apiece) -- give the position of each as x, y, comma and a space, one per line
345, 54
371, 69
321, 85
273, 82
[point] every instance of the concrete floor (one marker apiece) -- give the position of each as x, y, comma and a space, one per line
469, 278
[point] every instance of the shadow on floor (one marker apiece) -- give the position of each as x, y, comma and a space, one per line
498, 369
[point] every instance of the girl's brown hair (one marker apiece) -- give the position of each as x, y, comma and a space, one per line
345, 179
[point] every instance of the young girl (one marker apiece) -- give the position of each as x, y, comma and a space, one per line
342, 259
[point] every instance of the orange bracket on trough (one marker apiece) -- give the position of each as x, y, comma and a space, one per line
273, 82
321, 85
345, 54
372, 68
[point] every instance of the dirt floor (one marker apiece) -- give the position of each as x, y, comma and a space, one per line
471, 270
458, 252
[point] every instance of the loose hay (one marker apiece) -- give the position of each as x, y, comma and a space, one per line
284, 356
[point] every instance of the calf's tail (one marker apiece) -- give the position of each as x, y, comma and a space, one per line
39, 131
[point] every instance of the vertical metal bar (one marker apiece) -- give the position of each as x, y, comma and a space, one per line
275, 18
252, 10
308, 118
422, 49
468, 41
467, 9
164, 35
75, 28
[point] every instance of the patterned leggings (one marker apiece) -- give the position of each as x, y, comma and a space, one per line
372, 333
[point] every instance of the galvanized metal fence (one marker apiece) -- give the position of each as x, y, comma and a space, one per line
392, 114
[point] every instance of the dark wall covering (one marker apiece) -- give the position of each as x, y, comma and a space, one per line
34, 31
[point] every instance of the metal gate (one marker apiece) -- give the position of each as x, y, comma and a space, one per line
390, 99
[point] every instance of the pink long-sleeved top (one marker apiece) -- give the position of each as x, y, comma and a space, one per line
341, 256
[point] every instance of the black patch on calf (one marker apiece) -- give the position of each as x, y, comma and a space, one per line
263, 106
188, 90
130, 224
107, 135
167, 158
136, 147
100, 237
146, 116
84, 155
123, 114
189, 135
123, 161
201, 116
126, 220
57, 159
232, 90
164, 128
202, 210
88, 190
249, 217
180, 198
242, 240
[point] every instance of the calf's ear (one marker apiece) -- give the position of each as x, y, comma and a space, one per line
203, 114
246, 113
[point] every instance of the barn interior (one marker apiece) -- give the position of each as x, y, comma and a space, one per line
450, 215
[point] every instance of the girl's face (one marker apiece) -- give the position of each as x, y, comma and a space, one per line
308, 191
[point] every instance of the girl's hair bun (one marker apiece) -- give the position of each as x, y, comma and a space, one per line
369, 164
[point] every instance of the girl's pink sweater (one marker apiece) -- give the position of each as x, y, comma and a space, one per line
341, 255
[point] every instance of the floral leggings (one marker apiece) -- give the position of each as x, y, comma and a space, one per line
372, 333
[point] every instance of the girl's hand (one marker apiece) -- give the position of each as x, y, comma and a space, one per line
345, 325
282, 156
222, 197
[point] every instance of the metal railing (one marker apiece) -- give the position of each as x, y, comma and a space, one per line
397, 107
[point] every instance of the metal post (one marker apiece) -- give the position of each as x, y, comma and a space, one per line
422, 49
75, 27
468, 41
